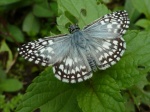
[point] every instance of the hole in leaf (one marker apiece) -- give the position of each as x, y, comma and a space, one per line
141, 67
144, 108
148, 77
72, 18
67, 25
147, 88
83, 12
37, 110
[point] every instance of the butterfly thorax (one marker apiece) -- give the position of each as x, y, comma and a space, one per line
79, 40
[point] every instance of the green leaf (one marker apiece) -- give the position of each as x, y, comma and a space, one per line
80, 10
126, 71
31, 25
9, 105
132, 11
142, 6
102, 90
5, 47
101, 95
16, 34
140, 92
42, 10
6, 2
10, 85
49, 94
144, 23
129, 102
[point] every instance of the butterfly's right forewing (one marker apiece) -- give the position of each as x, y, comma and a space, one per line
109, 26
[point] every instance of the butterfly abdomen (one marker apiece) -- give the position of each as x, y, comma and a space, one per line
92, 62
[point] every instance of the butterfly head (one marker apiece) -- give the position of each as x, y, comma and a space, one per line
73, 28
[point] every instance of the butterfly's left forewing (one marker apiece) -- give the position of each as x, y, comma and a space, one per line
45, 51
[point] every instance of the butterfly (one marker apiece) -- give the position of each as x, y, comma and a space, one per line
77, 55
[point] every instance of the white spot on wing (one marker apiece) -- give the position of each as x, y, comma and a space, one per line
65, 71
43, 64
106, 55
77, 69
109, 26
69, 61
30, 59
80, 79
61, 67
100, 49
49, 49
36, 62
59, 72
73, 71
73, 81
54, 69
57, 76
65, 80
50, 42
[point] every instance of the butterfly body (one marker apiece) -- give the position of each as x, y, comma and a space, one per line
74, 56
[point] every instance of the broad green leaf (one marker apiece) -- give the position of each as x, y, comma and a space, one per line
10, 85
132, 11
124, 77
102, 94
16, 34
79, 10
144, 23
142, 6
49, 94
31, 25
102, 90
6, 2
141, 94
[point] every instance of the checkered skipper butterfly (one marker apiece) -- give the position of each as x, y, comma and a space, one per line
74, 56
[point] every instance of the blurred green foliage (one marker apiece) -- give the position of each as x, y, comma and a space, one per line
123, 88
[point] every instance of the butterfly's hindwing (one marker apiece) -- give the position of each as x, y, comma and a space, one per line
106, 42
110, 52
73, 68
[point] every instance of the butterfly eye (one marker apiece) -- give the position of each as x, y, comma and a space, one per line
73, 28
